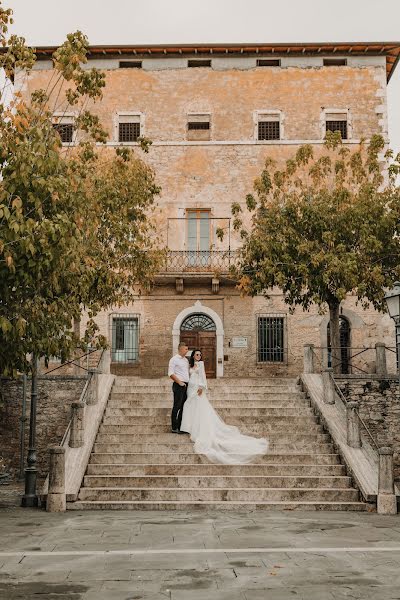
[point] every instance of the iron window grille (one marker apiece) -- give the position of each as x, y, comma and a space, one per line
65, 131
128, 132
269, 130
124, 338
268, 62
130, 64
198, 125
340, 126
198, 322
271, 338
199, 63
335, 62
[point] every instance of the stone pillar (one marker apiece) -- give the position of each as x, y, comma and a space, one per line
387, 504
308, 358
56, 499
105, 362
353, 425
328, 386
381, 368
76, 438
92, 392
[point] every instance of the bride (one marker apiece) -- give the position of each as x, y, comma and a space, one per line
221, 443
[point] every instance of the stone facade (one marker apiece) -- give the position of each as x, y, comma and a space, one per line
55, 396
210, 175
380, 410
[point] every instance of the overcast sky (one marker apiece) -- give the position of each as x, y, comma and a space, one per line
46, 22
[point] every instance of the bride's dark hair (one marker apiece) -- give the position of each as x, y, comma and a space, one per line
191, 359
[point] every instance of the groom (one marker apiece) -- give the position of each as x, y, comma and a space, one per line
178, 371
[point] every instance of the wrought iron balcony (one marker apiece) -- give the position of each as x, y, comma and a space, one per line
199, 261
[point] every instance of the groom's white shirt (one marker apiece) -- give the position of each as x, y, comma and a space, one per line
179, 366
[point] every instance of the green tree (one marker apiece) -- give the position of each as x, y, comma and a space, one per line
322, 227
74, 230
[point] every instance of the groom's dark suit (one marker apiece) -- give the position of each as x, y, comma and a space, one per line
178, 366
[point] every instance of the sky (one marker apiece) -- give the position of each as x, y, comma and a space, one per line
46, 22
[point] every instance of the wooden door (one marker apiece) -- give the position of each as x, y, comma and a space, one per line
206, 341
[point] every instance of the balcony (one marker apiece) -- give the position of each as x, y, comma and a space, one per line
216, 262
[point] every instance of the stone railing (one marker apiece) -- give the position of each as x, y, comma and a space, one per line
346, 417
68, 460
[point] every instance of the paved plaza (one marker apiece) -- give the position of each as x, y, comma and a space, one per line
201, 555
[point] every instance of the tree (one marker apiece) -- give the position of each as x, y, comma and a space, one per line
74, 230
322, 227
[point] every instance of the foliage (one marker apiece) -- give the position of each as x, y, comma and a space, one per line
323, 226
74, 230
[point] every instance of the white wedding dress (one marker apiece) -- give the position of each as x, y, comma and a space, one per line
221, 443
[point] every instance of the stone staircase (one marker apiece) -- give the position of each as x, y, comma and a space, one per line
136, 463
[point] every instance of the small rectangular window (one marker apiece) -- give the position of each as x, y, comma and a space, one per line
269, 130
125, 338
128, 132
268, 62
199, 63
337, 122
271, 338
198, 127
130, 64
65, 131
335, 62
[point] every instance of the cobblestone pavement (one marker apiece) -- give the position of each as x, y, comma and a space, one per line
198, 556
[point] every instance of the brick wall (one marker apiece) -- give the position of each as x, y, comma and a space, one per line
379, 401
55, 396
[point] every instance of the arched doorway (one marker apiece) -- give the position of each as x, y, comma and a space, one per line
345, 344
198, 330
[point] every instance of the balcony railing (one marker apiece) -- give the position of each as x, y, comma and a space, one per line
199, 261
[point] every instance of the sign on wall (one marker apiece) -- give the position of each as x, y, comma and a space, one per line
239, 342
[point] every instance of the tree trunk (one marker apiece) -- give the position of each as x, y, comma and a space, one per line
335, 336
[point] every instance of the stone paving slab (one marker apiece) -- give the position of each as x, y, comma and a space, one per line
191, 556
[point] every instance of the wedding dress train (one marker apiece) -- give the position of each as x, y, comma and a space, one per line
221, 443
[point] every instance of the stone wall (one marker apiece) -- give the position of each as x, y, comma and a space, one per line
55, 396
379, 401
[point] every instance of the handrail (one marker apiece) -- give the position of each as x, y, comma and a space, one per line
68, 362
344, 400
82, 397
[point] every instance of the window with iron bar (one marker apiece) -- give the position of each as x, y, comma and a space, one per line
197, 125
65, 131
335, 62
268, 62
269, 130
130, 64
128, 132
124, 338
340, 126
199, 63
271, 338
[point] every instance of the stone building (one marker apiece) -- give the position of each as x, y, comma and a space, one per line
214, 114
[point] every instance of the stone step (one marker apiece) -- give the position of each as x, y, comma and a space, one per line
164, 392
253, 429
283, 438
294, 408
220, 382
216, 506
163, 423
130, 413
215, 469
225, 403
166, 458
217, 481
293, 447
220, 494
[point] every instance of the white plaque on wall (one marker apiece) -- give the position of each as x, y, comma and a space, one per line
239, 342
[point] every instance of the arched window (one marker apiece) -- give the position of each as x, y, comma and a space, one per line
344, 331
198, 322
